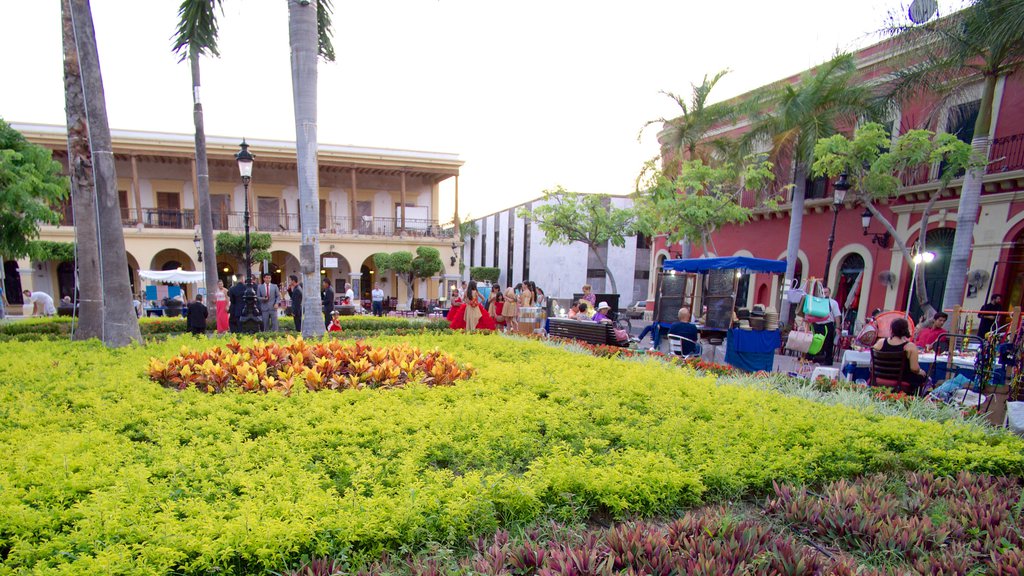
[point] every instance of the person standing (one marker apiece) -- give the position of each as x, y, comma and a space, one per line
236, 296
295, 292
42, 303
350, 295
826, 325
327, 300
589, 295
986, 320
269, 297
195, 317
377, 299
220, 302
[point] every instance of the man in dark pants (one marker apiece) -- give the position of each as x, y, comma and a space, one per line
236, 297
196, 316
295, 291
327, 299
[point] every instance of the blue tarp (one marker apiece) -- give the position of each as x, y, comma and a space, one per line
728, 263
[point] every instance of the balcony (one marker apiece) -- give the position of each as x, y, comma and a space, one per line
1007, 154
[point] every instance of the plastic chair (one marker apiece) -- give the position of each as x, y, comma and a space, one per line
675, 346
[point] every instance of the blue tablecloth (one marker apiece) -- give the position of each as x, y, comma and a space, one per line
752, 350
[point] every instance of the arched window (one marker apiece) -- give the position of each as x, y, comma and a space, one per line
849, 285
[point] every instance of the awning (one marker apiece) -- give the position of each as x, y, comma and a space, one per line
744, 263
172, 276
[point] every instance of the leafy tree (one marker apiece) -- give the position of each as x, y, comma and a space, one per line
986, 39
876, 166
30, 188
489, 274
309, 26
45, 250
699, 200
234, 245
425, 264
566, 217
88, 128
195, 36
793, 117
468, 229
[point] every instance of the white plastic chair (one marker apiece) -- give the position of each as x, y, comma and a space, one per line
675, 346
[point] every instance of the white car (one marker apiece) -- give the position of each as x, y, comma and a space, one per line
637, 310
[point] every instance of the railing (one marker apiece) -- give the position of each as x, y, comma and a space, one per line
165, 218
1007, 153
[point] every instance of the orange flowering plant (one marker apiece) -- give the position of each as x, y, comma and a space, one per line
332, 364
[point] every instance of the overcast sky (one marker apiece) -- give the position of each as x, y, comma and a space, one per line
530, 94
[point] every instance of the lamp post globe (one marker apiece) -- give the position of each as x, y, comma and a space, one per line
250, 320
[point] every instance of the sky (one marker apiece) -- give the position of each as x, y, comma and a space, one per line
530, 95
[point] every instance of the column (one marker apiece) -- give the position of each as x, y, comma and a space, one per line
356, 280
352, 199
136, 191
403, 202
195, 197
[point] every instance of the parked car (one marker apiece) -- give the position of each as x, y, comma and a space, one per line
637, 310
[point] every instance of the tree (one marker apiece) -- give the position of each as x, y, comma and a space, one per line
309, 37
30, 188
876, 166
567, 217
425, 264
793, 117
120, 325
195, 36
234, 245
699, 200
986, 39
488, 274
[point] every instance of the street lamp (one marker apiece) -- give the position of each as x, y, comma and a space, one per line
199, 248
249, 320
881, 239
842, 186
919, 258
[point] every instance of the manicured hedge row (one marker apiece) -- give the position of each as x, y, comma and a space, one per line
107, 472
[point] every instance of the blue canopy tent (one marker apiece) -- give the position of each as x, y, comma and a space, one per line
750, 350
744, 263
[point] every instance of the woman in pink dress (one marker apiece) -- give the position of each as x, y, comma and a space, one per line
220, 299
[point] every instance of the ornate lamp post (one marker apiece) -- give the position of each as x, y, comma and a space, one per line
199, 248
250, 319
882, 240
842, 186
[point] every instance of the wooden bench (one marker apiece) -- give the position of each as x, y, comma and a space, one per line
590, 332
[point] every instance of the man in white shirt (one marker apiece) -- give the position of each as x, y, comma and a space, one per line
377, 298
350, 296
42, 303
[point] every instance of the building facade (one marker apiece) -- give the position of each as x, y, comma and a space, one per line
371, 200
866, 272
516, 246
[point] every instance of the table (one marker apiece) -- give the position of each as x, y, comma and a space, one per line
752, 350
856, 365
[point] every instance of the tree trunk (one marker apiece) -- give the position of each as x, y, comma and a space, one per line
796, 222
607, 270
83, 195
120, 322
970, 196
921, 289
410, 281
302, 37
203, 181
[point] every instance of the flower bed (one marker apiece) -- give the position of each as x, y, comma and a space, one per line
106, 472
331, 365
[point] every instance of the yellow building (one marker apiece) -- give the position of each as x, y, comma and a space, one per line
371, 200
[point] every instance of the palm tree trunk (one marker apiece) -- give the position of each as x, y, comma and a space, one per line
302, 36
120, 323
796, 222
203, 180
83, 195
970, 196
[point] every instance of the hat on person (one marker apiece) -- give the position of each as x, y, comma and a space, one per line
603, 306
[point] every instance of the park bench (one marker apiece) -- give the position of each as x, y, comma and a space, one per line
590, 332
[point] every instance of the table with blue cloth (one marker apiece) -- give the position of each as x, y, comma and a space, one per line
752, 350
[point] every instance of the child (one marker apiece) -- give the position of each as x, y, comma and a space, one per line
510, 310
496, 306
335, 325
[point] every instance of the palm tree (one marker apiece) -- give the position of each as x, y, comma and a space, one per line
308, 35
793, 117
196, 36
83, 193
684, 137
120, 324
985, 40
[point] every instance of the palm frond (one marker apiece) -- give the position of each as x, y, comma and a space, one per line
197, 28
323, 29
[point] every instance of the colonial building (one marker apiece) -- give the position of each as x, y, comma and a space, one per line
371, 200
516, 247
866, 271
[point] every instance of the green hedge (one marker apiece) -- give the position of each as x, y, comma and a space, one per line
106, 472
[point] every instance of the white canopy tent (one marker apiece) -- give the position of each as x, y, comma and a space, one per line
173, 276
